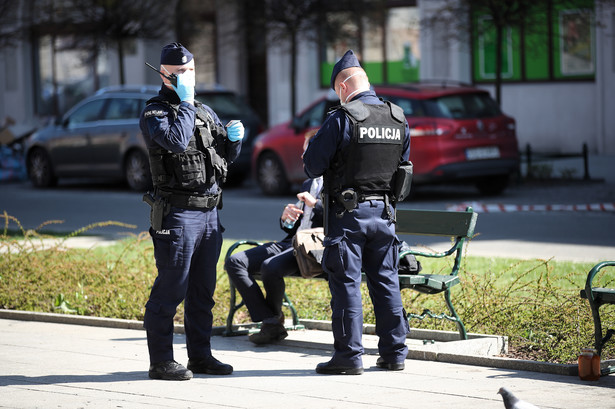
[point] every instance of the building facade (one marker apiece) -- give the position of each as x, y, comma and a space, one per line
561, 94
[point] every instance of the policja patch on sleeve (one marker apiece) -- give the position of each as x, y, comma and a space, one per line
154, 112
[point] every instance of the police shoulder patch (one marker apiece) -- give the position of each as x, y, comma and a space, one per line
154, 112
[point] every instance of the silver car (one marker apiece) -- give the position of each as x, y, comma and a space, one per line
100, 138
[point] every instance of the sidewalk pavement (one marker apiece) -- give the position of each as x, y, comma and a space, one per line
46, 364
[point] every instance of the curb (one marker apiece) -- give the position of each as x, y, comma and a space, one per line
446, 357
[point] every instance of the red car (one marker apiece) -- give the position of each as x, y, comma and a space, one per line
459, 134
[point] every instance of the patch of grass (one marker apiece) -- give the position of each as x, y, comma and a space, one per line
535, 303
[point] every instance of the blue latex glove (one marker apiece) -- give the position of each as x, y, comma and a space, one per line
235, 131
185, 86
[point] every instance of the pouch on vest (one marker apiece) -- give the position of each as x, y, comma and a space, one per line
191, 172
216, 165
403, 181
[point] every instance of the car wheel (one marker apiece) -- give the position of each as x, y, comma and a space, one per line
492, 185
40, 169
137, 171
271, 176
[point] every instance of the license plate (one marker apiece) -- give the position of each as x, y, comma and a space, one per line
488, 152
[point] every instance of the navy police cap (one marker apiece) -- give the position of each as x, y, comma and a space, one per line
348, 60
175, 54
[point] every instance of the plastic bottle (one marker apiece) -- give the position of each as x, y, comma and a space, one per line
289, 223
589, 365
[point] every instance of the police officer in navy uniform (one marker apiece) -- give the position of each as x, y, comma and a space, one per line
358, 149
189, 151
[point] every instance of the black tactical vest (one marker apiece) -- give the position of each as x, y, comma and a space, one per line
369, 162
200, 165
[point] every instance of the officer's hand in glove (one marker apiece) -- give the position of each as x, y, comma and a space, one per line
185, 86
235, 131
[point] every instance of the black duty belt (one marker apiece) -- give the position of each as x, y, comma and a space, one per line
365, 198
194, 202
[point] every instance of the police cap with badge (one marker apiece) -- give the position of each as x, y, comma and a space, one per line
348, 60
175, 54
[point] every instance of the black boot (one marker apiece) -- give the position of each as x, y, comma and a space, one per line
209, 365
269, 333
395, 366
169, 371
329, 368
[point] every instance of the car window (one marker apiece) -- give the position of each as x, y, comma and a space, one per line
89, 112
225, 104
312, 117
464, 106
124, 108
411, 107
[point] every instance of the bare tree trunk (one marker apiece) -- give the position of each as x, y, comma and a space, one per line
498, 62
54, 78
293, 73
120, 56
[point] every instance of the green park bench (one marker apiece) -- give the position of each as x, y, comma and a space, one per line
450, 224
598, 297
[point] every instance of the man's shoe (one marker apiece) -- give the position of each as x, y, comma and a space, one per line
327, 368
269, 333
399, 366
209, 365
169, 371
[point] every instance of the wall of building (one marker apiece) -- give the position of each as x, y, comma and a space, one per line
605, 81
14, 83
551, 116
278, 77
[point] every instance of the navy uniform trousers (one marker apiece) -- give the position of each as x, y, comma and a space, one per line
364, 239
186, 252
274, 261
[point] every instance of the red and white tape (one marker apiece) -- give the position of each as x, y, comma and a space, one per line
502, 208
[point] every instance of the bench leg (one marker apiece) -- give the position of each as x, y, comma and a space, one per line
594, 304
598, 338
597, 327
293, 310
462, 329
233, 307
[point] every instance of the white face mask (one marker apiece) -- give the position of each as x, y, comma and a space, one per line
189, 77
344, 102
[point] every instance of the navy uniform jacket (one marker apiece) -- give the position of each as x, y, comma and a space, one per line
335, 135
160, 127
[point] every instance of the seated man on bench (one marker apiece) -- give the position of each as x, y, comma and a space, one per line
273, 261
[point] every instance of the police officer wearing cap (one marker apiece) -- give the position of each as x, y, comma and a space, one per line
358, 149
189, 151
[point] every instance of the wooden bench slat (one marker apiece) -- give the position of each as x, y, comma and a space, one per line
605, 295
434, 282
436, 223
